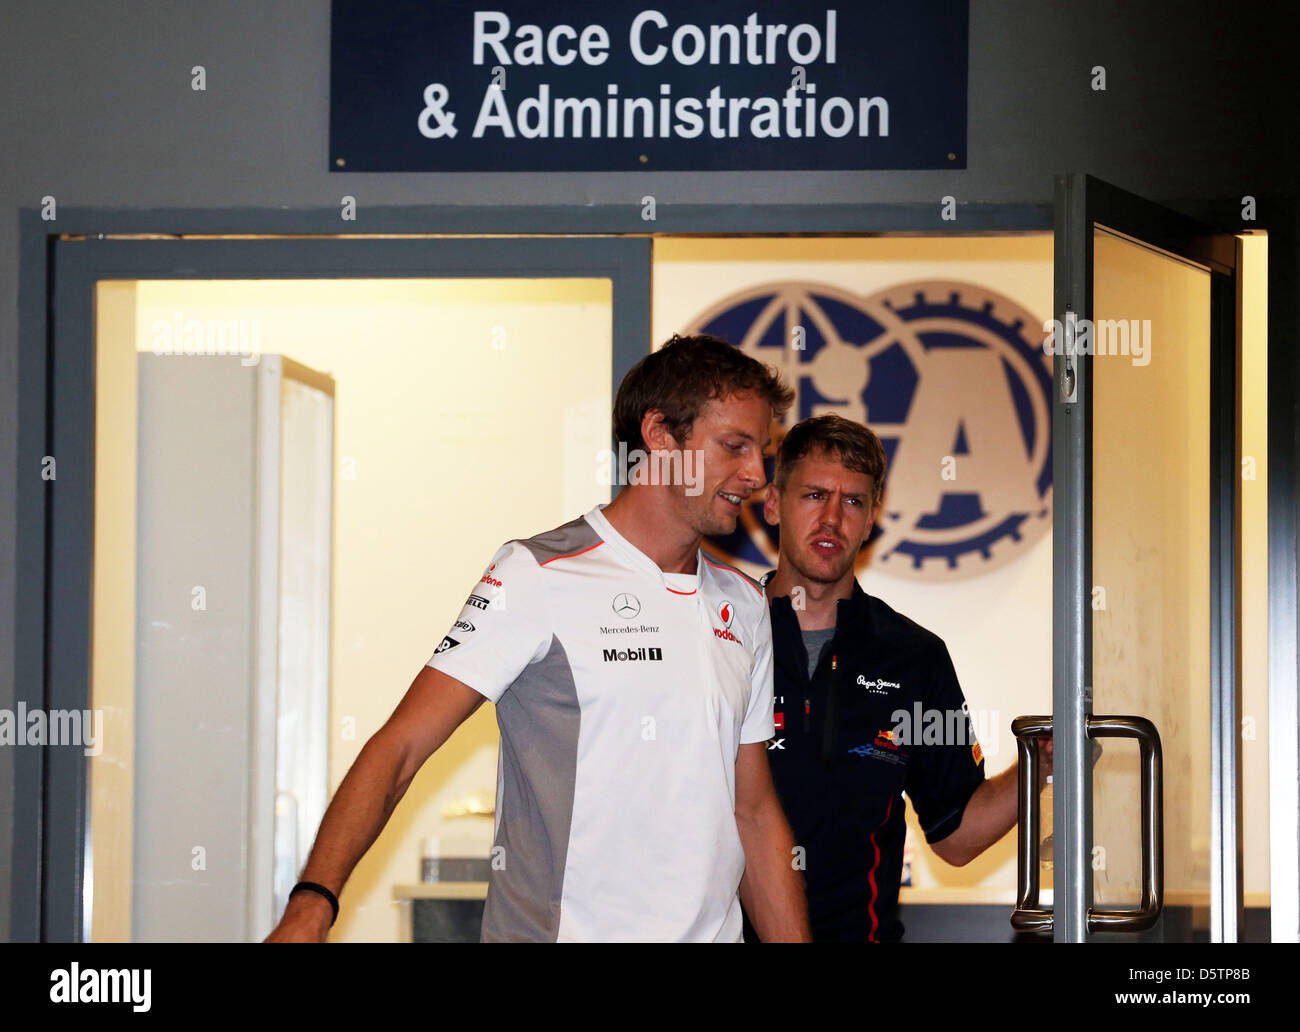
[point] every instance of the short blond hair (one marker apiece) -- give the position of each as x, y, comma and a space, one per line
855, 445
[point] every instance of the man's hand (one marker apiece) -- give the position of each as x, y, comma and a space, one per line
306, 919
1045, 759
771, 890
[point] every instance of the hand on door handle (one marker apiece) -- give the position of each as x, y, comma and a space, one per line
1045, 753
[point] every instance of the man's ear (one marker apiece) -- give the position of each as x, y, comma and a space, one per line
655, 432
772, 506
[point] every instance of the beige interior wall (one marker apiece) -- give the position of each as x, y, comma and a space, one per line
1133, 432
469, 412
1254, 568
1151, 556
112, 663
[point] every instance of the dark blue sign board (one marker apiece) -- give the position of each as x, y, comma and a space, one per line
576, 85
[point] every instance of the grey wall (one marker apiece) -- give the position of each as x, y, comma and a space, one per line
96, 110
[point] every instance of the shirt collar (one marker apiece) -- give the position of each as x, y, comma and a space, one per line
856, 602
638, 558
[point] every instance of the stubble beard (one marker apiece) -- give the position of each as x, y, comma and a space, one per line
803, 569
708, 521
697, 512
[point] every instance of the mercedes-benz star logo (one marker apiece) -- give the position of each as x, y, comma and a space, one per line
626, 605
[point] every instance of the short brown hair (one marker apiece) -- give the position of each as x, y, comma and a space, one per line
682, 377
855, 445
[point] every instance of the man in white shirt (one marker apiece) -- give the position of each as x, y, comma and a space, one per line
632, 675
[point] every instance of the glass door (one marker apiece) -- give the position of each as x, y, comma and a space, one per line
1146, 787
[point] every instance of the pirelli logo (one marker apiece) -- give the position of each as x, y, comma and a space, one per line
632, 655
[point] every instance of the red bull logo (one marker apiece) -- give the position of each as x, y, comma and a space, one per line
887, 740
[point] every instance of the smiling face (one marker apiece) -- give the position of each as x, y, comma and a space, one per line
726, 444
825, 514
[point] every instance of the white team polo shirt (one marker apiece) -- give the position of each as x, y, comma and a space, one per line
623, 695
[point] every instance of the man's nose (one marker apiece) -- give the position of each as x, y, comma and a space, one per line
754, 470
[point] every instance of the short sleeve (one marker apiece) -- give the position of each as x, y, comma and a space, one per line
502, 628
758, 725
947, 763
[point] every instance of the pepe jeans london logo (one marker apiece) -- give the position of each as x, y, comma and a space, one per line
879, 686
953, 378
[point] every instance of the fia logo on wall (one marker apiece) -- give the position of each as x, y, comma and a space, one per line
960, 397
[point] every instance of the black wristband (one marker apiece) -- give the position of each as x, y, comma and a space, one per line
312, 886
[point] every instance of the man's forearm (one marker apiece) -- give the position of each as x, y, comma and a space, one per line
990, 814
772, 889
356, 815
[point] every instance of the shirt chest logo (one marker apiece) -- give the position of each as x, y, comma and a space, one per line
881, 750
626, 605
878, 686
726, 613
643, 655
886, 747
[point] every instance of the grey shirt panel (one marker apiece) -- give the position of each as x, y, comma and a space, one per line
572, 537
539, 718
814, 642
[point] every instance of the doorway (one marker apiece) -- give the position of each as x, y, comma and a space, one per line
630, 296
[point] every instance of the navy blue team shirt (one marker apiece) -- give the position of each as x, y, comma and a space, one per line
842, 756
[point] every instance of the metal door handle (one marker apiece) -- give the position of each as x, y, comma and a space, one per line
1029, 915
1153, 828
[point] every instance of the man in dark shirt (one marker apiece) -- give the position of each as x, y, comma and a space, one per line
868, 705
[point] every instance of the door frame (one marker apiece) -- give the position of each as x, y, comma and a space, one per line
37, 237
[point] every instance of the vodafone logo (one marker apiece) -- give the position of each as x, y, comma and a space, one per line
726, 613
487, 578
